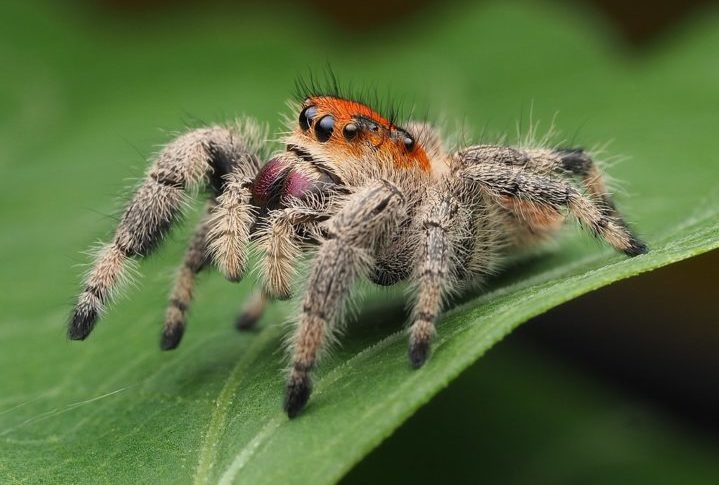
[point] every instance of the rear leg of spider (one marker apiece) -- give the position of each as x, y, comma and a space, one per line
517, 176
577, 161
185, 164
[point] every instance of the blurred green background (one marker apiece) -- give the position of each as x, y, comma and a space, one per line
618, 386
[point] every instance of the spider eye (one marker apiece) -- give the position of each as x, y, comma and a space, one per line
306, 117
350, 131
408, 142
324, 127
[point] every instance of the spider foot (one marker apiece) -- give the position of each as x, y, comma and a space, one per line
297, 392
82, 321
421, 334
418, 353
246, 321
251, 314
636, 246
171, 337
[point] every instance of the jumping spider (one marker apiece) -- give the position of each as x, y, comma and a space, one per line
374, 200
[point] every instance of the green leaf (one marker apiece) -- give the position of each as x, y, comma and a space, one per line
526, 417
86, 94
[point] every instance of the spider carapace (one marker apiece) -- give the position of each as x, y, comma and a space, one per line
368, 199
334, 129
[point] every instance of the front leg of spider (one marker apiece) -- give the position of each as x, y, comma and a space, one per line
204, 157
346, 254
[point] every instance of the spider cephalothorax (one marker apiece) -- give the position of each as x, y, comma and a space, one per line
378, 201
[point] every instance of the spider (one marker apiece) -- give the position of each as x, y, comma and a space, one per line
370, 199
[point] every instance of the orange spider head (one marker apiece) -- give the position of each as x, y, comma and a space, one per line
352, 131
333, 141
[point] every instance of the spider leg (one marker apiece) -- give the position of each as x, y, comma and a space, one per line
577, 162
281, 245
572, 162
195, 260
279, 241
252, 311
352, 236
230, 224
187, 163
444, 229
511, 179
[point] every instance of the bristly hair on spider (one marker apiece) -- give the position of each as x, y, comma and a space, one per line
316, 83
370, 197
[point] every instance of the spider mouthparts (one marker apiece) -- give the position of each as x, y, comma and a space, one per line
297, 184
269, 182
279, 179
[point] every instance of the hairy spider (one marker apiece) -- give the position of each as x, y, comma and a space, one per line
375, 200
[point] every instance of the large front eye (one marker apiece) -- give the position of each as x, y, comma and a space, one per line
324, 128
306, 117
